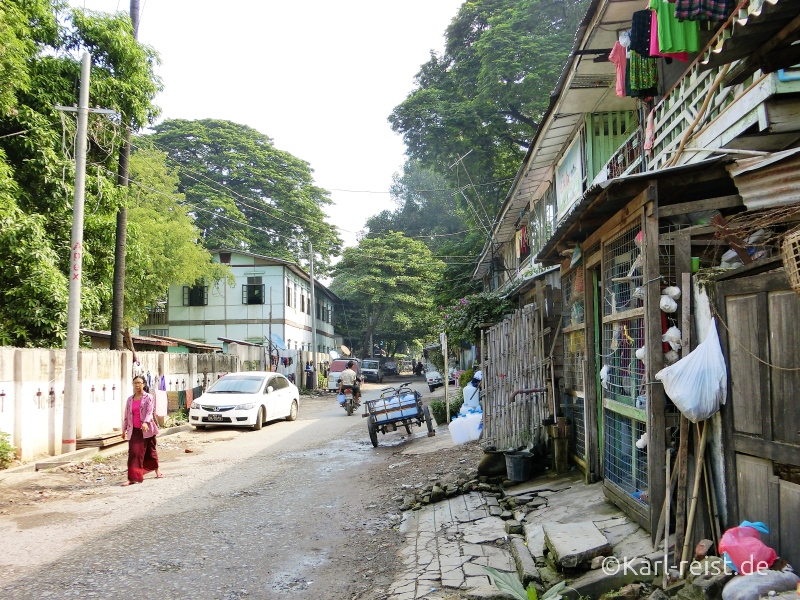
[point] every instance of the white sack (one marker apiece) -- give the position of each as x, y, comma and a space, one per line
667, 304
698, 383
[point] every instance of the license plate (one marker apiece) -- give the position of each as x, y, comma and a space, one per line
215, 418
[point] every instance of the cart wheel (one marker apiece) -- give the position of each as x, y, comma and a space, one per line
426, 411
408, 428
373, 435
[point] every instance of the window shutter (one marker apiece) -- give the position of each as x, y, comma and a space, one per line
244, 293
186, 295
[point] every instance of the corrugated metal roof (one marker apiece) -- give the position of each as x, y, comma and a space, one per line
769, 181
755, 26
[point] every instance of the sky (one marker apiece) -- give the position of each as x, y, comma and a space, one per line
318, 77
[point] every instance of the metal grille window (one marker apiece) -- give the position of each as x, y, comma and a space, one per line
253, 291
625, 465
622, 372
195, 295
575, 412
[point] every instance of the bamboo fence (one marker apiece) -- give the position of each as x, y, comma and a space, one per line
516, 358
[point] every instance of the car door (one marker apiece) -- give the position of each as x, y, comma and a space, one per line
270, 398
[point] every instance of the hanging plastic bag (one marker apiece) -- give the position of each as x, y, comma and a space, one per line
698, 383
341, 398
673, 337
744, 550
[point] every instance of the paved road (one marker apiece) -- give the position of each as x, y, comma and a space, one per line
291, 511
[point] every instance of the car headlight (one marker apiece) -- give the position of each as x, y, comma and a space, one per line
196, 405
247, 406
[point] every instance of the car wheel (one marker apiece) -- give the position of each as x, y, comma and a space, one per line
292, 412
259, 420
431, 388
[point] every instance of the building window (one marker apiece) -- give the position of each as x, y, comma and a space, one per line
288, 296
195, 295
302, 302
225, 258
253, 291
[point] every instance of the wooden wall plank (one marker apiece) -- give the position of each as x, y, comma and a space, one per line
745, 389
753, 477
589, 379
790, 522
784, 317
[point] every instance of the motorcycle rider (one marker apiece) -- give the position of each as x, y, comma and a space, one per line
349, 380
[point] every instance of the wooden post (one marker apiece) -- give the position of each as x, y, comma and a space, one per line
667, 500
698, 475
656, 426
683, 444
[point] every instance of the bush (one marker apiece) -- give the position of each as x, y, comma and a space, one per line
439, 409
7, 451
465, 378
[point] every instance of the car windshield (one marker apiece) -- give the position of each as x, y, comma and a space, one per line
236, 385
370, 364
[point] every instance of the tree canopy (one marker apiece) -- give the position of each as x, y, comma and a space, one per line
245, 193
388, 283
41, 45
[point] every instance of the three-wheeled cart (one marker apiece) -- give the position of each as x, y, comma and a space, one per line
396, 406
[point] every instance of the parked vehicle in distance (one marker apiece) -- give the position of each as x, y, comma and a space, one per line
246, 399
372, 368
433, 377
337, 366
391, 367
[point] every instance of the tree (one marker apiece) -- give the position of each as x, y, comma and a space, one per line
247, 194
163, 244
39, 71
388, 283
483, 98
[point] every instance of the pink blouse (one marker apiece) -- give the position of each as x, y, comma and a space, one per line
136, 407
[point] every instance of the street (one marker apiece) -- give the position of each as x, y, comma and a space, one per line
299, 509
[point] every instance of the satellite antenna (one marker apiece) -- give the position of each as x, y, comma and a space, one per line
345, 350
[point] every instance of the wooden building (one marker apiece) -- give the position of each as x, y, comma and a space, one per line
691, 187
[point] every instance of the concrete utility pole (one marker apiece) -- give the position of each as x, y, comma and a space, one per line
313, 318
121, 242
446, 374
68, 436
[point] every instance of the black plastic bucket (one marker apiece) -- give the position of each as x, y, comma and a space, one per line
519, 465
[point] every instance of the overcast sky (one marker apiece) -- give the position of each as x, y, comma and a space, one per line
319, 77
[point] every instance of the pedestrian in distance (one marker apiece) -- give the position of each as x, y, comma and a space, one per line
140, 429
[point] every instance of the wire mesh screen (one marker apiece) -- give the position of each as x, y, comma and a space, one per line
575, 412
625, 465
623, 269
622, 374
573, 301
574, 360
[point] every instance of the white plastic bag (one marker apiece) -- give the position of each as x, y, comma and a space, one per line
698, 383
667, 304
672, 336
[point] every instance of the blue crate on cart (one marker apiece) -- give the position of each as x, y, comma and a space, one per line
393, 408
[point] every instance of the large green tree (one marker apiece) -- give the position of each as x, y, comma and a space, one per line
42, 42
482, 99
163, 243
388, 283
245, 193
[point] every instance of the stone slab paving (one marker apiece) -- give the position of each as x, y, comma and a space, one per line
447, 544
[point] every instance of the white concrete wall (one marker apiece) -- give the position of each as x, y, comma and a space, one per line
32, 390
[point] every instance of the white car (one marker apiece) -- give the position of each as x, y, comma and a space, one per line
246, 399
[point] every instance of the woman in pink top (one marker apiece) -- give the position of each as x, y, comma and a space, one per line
139, 427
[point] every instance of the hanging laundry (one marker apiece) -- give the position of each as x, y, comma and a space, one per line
618, 57
640, 32
702, 10
643, 73
649, 132
172, 401
149, 380
162, 384
674, 36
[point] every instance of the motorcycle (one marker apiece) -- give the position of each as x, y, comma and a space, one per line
347, 401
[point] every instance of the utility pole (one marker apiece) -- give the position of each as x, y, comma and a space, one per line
446, 374
121, 241
68, 431
313, 318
